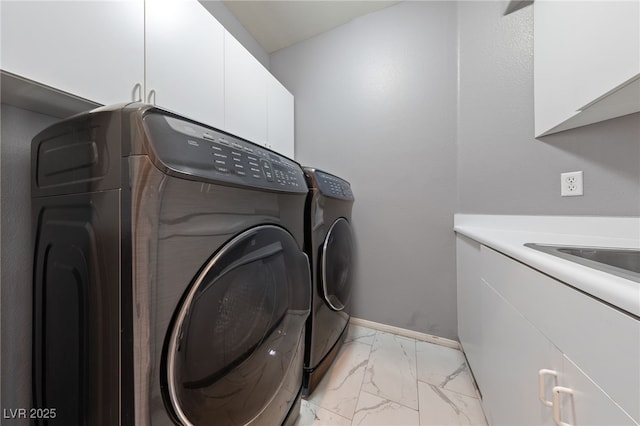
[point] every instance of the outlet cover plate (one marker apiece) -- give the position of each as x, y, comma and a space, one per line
571, 184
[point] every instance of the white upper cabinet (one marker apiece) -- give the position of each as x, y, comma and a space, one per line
257, 107
172, 53
94, 50
184, 52
586, 62
280, 113
245, 92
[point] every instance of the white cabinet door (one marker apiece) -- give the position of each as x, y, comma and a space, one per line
94, 50
591, 406
573, 321
469, 303
513, 354
184, 54
280, 113
586, 62
245, 92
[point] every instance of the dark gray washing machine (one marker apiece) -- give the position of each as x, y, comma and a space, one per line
329, 242
170, 281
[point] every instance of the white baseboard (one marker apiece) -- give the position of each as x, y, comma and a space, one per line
407, 333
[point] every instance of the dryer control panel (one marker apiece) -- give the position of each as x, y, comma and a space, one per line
333, 186
199, 151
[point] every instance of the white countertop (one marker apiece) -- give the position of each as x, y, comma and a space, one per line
508, 234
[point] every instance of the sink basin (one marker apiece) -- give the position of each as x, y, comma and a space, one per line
624, 263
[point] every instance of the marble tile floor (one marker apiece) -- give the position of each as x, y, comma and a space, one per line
384, 379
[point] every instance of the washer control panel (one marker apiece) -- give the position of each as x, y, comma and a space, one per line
333, 186
197, 150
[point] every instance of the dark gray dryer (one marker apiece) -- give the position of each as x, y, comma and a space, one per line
329, 242
170, 281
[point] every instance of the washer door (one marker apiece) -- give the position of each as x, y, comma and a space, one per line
337, 263
236, 333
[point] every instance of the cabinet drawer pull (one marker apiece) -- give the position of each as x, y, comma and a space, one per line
557, 416
136, 93
541, 380
152, 94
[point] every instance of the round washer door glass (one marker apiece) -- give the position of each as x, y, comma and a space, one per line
237, 331
337, 263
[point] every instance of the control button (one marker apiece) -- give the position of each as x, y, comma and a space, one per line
208, 136
236, 145
253, 163
241, 173
253, 169
238, 166
216, 148
246, 148
266, 168
221, 169
224, 163
223, 141
237, 159
192, 143
236, 153
257, 176
265, 164
252, 158
217, 154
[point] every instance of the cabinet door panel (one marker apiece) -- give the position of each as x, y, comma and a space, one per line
245, 92
184, 59
592, 406
469, 304
280, 113
513, 353
583, 50
94, 50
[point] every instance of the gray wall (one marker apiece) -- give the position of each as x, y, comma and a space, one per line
17, 129
375, 102
502, 168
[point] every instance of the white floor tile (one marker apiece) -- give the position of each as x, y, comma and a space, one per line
445, 368
442, 407
312, 415
391, 372
338, 391
373, 410
379, 378
360, 334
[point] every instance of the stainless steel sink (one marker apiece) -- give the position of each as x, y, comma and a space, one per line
624, 263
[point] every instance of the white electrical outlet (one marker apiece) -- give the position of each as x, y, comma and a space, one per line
571, 184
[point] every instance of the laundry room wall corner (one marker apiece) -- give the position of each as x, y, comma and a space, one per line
376, 105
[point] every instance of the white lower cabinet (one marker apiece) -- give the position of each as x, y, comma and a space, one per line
469, 303
542, 352
523, 368
590, 404
513, 354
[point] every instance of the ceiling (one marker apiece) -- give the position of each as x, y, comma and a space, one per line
277, 24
